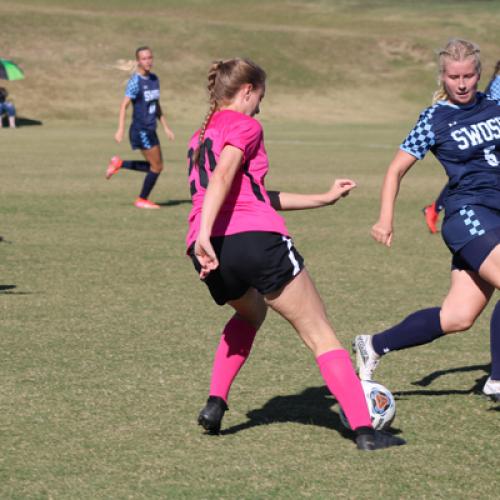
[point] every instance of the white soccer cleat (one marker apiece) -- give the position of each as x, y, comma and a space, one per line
366, 358
492, 389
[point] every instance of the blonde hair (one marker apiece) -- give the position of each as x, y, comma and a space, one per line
225, 79
129, 65
456, 50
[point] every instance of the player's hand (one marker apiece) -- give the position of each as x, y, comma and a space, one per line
205, 254
339, 189
382, 233
119, 136
170, 134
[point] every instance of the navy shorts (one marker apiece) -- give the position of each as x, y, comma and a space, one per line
261, 260
143, 138
471, 234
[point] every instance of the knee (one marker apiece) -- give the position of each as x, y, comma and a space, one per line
259, 317
156, 168
255, 317
318, 335
457, 321
254, 321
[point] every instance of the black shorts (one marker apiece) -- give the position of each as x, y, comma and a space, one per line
261, 260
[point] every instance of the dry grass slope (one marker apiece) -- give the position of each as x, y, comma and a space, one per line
328, 61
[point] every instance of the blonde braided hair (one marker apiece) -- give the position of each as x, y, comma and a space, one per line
212, 75
456, 50
225, 78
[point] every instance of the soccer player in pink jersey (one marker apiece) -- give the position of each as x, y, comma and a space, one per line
242, 250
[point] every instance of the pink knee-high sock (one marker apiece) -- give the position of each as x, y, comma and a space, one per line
341, 379
234, 349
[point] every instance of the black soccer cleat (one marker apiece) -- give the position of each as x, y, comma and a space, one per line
368, 439
210, 417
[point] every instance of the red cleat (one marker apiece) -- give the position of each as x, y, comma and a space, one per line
113, 166
142, 203
431, 217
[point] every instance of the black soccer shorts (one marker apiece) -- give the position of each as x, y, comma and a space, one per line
261, 260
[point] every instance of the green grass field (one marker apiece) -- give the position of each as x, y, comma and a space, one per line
106, 335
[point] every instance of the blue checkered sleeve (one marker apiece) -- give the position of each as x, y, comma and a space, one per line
422, 137
132, 89
494, 90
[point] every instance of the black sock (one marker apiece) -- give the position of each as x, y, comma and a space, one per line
149, 184
138, 165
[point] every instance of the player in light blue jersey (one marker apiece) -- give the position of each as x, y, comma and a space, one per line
463, 131
432, 211
493, 87
143, 91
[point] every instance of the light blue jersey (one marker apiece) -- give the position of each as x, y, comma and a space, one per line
493, 89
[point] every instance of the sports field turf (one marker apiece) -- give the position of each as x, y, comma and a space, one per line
106, 336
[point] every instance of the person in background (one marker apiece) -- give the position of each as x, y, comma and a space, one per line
143, 91
6, 107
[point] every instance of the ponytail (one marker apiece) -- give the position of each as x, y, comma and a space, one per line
212, 76
128, 66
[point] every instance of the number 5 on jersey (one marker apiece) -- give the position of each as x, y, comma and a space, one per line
490, 156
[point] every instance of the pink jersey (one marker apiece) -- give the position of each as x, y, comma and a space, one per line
247, 206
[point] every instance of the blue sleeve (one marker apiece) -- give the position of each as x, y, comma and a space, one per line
422, 137
494, 89
132, 89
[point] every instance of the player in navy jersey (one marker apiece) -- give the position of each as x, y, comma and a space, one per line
463, 131
432, 211
143, 91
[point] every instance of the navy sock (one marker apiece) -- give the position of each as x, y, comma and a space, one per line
149, 184
138, 165
418, 328
495, 342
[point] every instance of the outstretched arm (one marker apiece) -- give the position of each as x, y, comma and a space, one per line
295, 201
382, 230
121, 119
217, 190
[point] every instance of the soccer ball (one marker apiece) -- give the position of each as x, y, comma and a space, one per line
381, 405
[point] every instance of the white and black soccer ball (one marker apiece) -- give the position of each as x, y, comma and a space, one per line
381, 405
